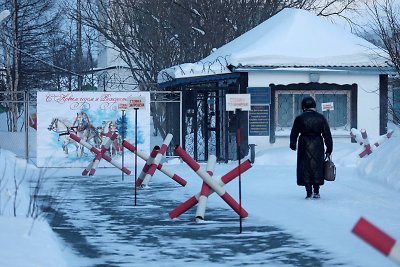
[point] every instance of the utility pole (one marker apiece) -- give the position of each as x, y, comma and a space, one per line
79, 44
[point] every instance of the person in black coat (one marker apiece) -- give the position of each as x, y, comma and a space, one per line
314, 131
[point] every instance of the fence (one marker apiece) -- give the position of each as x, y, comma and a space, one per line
18, 121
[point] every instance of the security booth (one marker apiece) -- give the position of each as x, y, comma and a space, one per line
207, 128
278, 63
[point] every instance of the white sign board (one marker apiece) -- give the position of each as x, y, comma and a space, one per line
89, 115
327, 106
123, 105
137, 102
237, 101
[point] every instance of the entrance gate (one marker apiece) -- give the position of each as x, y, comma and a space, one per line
165, 110
205, 124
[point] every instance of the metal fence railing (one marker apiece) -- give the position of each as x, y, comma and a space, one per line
17, 123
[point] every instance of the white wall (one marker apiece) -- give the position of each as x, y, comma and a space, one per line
367, 97
117, 79
109, 55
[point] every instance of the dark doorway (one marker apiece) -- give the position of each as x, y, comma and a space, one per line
203, 123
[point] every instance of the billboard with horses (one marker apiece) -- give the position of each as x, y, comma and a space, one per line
90, 116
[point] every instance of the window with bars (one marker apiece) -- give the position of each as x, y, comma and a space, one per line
288, 106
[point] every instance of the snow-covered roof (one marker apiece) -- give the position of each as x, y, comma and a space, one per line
293, 38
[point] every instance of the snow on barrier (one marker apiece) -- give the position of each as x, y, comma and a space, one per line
377, 239
225, 179
361, 137
210, 182
383, 138
150, 162
98, 153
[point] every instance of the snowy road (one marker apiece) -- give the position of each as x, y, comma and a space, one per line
96, 216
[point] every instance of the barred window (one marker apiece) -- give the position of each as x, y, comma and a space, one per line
288, 106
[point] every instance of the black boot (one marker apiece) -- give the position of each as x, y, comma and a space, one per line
316, 191
309, 191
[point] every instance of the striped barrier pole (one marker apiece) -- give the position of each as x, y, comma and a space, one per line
172, 175
377, 239
157, 160
361, 137
146, 167
225, 179
207, 179
205, 189
96, 151
383, 138
367, 146
93, 165
91, 169
160, 167
356, 135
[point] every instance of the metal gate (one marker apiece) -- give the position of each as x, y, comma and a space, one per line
205, 124
165, 111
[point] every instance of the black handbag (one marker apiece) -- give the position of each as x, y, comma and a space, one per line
329, 169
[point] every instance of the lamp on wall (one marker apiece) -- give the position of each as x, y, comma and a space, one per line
314, 77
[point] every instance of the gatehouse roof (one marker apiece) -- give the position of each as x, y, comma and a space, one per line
293, 38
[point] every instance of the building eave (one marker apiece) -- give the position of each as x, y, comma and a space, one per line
198, 79
367, 70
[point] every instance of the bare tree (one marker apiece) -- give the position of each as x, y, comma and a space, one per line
385, 26
25, 41
384, 31
155, 34
151, 35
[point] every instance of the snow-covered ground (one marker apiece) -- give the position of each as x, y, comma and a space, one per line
367, 187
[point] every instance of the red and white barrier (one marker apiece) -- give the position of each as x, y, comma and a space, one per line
97, 152
91, 169
146, 167
213, 184
160, 167
383, 138
377, 239
156, 160
205, 189
225, 179
367, 146
361, 137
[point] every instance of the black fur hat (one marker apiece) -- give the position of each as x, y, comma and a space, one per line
308, 102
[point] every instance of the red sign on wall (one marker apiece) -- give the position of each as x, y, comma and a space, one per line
327, 106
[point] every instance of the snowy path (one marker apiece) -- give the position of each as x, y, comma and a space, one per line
97, 217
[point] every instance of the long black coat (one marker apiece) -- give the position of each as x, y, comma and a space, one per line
314, 131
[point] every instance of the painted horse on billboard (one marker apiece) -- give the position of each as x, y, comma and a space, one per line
63, 129
86, 131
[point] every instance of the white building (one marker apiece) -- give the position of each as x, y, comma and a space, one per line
292, 54
113, 74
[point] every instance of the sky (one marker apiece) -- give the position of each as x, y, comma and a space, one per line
365, 187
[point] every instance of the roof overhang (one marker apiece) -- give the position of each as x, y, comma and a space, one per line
199, 79
320, 69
